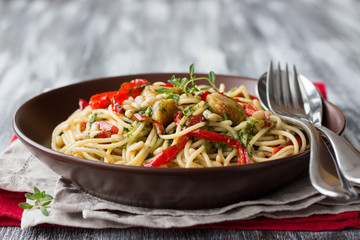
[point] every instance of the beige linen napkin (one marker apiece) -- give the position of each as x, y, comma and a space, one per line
20, 171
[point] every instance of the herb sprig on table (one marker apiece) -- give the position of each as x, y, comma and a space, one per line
183, 83
41, 201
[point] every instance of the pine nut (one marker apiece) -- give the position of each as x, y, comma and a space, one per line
259, 115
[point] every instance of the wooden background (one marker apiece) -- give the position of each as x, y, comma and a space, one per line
47, 44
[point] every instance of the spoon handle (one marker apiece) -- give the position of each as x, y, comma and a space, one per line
323, 170
347, 157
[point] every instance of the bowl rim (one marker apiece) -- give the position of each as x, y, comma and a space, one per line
145, 170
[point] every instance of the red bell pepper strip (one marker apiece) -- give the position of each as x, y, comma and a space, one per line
83, 103
158, 126
127, 89
267, 120
107, 129
116, 107
133, 88
249, 109
288, 143
168, 154
204, 95
193, 119
243, 157
101, 100
130, 89
168, 85
177, 118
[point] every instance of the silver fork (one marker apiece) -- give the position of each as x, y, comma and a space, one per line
284, 98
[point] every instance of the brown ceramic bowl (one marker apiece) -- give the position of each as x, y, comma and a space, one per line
153, 187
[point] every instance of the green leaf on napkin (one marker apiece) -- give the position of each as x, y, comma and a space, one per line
41, 201
25, 205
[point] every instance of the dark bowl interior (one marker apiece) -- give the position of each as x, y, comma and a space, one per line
153, 187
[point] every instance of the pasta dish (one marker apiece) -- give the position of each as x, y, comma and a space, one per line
176, 124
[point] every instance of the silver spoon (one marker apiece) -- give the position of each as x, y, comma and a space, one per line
346, 156
342, 189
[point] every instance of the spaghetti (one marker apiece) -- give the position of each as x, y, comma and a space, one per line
172, 125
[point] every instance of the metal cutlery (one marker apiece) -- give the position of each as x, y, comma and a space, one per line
347, 157
281, 94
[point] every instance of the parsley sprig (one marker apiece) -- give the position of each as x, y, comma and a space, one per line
183, 83
41, 201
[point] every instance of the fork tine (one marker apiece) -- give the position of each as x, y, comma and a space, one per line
277, 86
286, 90
269, 86
296, 92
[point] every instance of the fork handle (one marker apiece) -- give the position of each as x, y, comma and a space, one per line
347, 157
323, 170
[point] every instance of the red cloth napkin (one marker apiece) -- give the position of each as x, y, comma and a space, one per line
11, 213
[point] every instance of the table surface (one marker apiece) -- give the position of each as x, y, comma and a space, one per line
48, 44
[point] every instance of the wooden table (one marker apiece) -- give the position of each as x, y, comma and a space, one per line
48, 44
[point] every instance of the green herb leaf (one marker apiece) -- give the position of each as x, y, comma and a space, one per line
37, 196
173, 96
225, 116
25, 205
205, 88
41, 201
212, 77
184, 82
44, 211
46, 203
140, 86
174, 81
93, 118
36, 190
162, 90
30, 196
191, 69
47, 197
